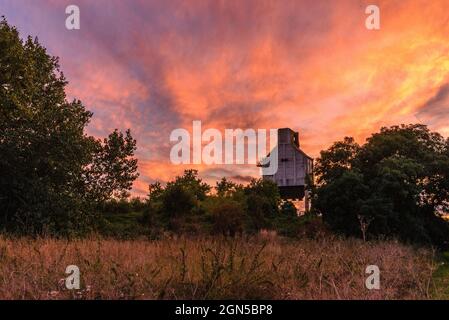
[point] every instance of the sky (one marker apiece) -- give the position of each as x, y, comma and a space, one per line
155, 66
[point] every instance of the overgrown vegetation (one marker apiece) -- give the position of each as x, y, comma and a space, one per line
215, 268
189, 206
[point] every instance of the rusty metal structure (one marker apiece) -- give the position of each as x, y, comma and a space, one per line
295, 167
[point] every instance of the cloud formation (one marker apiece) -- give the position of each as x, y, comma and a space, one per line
436, 110
154, 66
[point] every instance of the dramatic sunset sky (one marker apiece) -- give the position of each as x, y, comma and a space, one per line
154, 66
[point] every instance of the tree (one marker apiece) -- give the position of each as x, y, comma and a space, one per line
113, 168
398, 181
192, 183
52, 174
177, 205
226, 188
177, 201
288, 222
227, 217
263, 199
155, 191
337, 159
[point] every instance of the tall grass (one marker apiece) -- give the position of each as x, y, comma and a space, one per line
213, 268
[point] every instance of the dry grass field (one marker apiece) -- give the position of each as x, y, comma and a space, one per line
264, 267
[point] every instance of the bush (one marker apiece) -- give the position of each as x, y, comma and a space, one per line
227, 217
288, 223
262, 203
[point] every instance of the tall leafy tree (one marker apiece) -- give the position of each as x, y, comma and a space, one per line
396, 184
52, 174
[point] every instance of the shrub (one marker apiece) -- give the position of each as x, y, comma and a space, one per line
227, 217
288, 223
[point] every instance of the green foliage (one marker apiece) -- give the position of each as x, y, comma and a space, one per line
190, 182
395, 185
288, 223
177, 201
336, 160
263, 200
123, 225
122, 205
177, 206
52, 175
441, 277
227, 217
232, 210
186, 205
226, 188
112, 169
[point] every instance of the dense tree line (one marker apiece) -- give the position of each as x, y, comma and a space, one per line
188, 205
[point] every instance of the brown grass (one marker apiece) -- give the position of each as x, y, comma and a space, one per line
256, 268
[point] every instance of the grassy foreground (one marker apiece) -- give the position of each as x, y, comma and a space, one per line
264, 267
